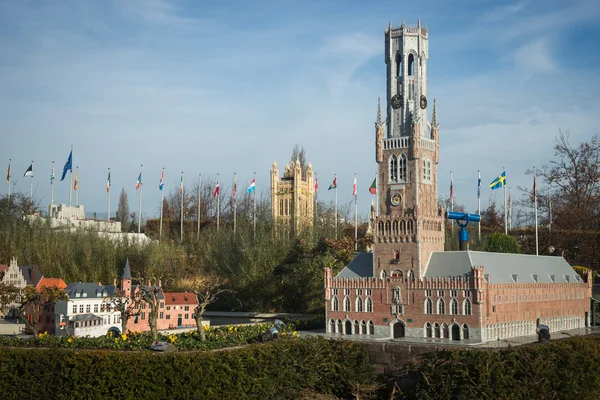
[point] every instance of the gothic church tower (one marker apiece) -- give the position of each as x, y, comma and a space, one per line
292, 203
409, 224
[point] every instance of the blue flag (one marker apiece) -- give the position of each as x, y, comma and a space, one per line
499, 182
68, 166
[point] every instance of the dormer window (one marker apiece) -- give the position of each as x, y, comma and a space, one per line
535, 277
552, 278
515, 278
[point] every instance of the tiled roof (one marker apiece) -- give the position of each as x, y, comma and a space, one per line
31, 274
51, 282
180, 298
77, 290
501, 267
360, 267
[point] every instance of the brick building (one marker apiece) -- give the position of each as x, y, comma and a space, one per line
408, 285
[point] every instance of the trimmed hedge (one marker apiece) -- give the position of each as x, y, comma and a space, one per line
563, 369
276, 370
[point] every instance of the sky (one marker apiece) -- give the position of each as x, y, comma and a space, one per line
228, 87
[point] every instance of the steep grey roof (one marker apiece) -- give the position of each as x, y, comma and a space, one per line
126, 270
501, 267
31, 274
360, 267
88, 290
85, 317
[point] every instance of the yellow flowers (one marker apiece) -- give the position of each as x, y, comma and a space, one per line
172, 338
124, 336
295, 333
42, 335
206, 328
70, 340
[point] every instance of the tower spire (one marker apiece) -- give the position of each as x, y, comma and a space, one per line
434, 121
379, 122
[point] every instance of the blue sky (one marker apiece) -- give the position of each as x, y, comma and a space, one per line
224, 87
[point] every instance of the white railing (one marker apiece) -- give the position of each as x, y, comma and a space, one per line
396, 143
428, 144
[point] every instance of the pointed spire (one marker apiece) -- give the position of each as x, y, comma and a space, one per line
379, 122
126, 270
434, 121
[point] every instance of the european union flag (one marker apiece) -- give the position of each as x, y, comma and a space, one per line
499, 181
68, 166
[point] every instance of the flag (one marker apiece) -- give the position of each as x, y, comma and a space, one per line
317, 184
373, 188
478, 185
217, 189
139, 182
68, 165
76, 179
452, 188
234, 191
8, 174
29, 171
354, 190
162, 180
549, 208
108, 183
252, 186
52, 174
181, 184
534, 188
334, 184
499, 182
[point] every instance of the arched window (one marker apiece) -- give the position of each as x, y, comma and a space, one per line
465, 332
428, 330
371, 328
380, 228
359, 304
388, 228
393, 168
383, 274
335, 304
411, 65
397, 273
395, 227
346, 303
396, 293
466, 307
410, 227
411, 275
441, 306
368, 305
436, 330
402, 169
403, 227
426, 169
453, 307
445, 331
363, 327
332, 326
396, 254
428, 306
399, 65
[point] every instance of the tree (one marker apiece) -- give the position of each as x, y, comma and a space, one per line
151, 294
128, 307
34, 301
123, 209
574, 179
8, 295
491, 219
298, 154
206, 289
501, 243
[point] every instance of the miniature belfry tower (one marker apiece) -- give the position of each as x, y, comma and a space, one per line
292, 197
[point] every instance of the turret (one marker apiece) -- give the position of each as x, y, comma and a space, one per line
126, 279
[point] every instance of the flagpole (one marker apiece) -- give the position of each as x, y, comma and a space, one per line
108, 190
51, 186
71, 178
355, 215
140, 213
452, 198
234, 204
336, 212
8, 177
218, 204
316, 213
31, 186
479, 203
181, 213
77, 191
536, 213
161, 206
199, 196
254, 209
505, 210
510, 208
549, 212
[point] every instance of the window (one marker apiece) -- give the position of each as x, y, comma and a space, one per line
168, 316
187, 308
411, 65
402, 169
81, 308
359, 304
74, 308
428, 306
161, 315
428, 330
393, 168
397, 273
396, 293
335, 305
369, 292
411, 275
453, 307
168, 308
441, 306
187, 316
427, 170
368, 305
346, 303
95, 308
467, 307
383, 274
162, 304
143, 315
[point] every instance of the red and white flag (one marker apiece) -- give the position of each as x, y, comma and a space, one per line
316, 185
216, 192
354, 191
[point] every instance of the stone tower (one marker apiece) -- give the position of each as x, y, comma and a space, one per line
292, 203
409, 224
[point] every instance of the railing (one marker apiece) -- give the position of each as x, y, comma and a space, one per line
428, 144
396, 143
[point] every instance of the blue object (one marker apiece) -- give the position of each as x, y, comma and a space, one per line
462, 220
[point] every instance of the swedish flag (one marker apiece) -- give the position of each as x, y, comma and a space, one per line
499, 181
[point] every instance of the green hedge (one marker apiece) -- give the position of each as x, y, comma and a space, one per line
275, 370
564, 369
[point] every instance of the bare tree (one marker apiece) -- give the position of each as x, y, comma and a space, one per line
128, 307
34, 302
123, 208
206, 288
298, 154
8, 296
151, 294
